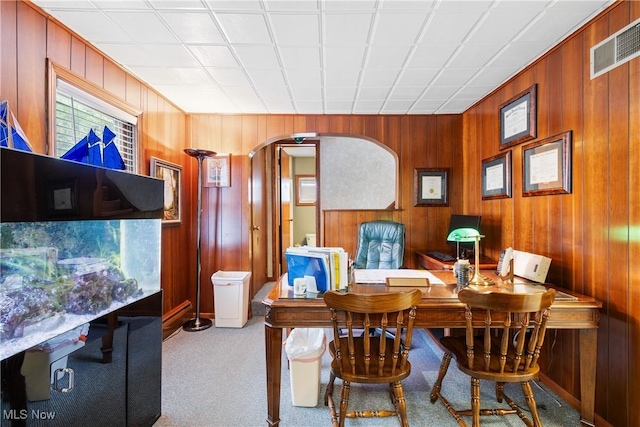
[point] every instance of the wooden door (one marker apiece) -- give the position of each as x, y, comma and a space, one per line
285, 206
259, 234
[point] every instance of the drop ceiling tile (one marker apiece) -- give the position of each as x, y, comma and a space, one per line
281, 106
454, 77
337, 77
440, 92
517, 54
398, 28
426, 106
350, 5
172, 4
417, 76
170, 56
289, 5
339, 107
371, 93
313, 107
335, 93
372, 106
304, 77
346, 29
127, 53
406, 93
398, 106
262, 78
300, 57
121, 5
379, 77
387, 56
455, 106
172, 76
305, 93
348, 57
214, 56
239, 5
58, 4
474, 55
492, 76
292, 30
506, 20
403, 5
229, 76
144, 27
193, 27
450, 27
474, 92
432, 55
257, 56
92, 25
244, 28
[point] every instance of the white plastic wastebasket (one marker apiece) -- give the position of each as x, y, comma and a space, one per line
304, 348
231, 298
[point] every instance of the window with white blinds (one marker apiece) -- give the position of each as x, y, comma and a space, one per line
78, 110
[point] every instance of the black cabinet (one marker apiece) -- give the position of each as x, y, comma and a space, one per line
123, 392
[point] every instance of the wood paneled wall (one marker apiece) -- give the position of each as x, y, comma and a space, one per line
28, 38
591, 234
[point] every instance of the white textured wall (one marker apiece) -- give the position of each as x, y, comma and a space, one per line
356, 174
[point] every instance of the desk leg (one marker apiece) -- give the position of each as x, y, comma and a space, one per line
588, 351
273, 348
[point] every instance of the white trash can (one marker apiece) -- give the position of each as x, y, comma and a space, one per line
304, 348
231, 298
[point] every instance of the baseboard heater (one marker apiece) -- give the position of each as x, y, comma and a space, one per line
175, 318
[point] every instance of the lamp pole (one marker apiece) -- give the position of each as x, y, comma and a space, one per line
198, 324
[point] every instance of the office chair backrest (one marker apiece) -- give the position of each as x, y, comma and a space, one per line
380, 245
518, 348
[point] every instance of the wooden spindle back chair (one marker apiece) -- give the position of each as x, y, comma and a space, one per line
359, 357
504, 335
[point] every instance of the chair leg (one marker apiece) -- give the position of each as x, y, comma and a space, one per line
531, 403
400, 403
344, 401
499, 392
329, 390
475, 401
437, 387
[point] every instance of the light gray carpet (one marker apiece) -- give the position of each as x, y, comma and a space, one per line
216, 378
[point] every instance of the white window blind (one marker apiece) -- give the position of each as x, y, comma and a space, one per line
78, 111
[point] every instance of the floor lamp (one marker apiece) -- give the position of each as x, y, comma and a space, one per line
198, 324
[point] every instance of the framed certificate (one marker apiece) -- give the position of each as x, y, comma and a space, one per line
496, 176
431, 186
546, 166
518, 119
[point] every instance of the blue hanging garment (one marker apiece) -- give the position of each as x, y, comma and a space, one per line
112, 157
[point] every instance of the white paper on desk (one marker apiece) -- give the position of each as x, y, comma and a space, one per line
311, 284
380, 276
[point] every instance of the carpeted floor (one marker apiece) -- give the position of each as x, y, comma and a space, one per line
216, 378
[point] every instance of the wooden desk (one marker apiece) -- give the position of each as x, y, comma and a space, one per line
427, 262
439, 308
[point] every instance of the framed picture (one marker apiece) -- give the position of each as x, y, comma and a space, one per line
546, 166
305, 190
217, 171
518, 119
431, 187
496, 177
171, 174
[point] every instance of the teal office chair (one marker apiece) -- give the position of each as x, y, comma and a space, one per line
380, 245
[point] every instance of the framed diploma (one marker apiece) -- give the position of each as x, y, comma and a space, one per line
496, 177
518, 119
546, 166
431, 186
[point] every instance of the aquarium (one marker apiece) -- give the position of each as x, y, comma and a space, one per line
55, 276
76, 243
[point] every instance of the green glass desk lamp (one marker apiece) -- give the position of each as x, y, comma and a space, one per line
471, 235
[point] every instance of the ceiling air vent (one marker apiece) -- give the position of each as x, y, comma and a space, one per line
616, 49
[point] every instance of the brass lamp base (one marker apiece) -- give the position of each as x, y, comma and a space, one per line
479, 280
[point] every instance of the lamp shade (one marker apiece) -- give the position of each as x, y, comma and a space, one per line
464, 235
